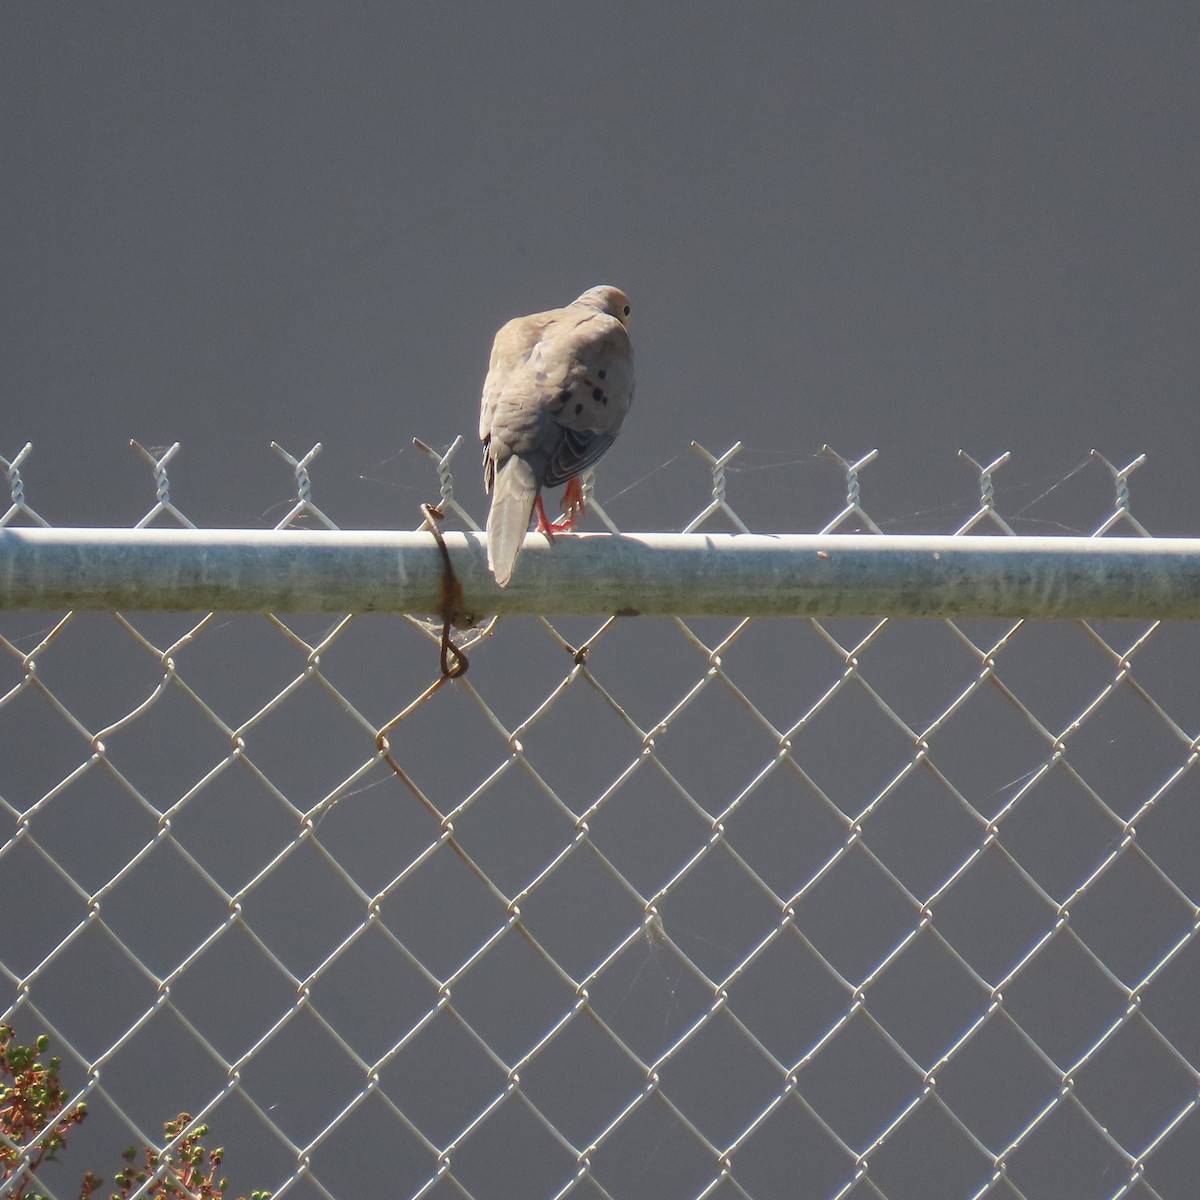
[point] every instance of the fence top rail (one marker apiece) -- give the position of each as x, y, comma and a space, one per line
650, 574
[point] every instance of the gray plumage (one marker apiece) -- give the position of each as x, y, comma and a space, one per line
558, 387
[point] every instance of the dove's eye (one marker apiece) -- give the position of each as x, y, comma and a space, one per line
627, 310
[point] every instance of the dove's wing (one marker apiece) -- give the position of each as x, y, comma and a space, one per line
558, 387
588, 410
508, 417
508, 385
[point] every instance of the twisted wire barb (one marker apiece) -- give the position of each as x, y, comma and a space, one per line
1120, 477
718, 503
304, 506
987, 494
853, 507
162, 485
16, 488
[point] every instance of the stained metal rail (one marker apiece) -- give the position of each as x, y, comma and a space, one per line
652, 574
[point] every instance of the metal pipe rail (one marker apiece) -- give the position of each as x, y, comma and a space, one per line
652, 574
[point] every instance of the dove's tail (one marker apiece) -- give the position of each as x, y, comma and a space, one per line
513, 496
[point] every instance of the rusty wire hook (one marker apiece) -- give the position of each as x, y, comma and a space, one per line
451, 597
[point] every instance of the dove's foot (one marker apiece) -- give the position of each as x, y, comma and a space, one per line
573, 506
550, 528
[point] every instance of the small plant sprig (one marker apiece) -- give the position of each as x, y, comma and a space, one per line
191, 1169
31, 1097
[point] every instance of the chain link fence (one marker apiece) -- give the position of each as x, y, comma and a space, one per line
635, 908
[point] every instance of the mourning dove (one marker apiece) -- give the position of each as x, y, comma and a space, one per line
558, 387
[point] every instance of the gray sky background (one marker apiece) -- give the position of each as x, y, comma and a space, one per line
912, 226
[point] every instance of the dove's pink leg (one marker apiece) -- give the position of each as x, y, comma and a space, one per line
572, 500
572, 506
545, 525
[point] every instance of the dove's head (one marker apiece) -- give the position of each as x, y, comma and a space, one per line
607, 299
